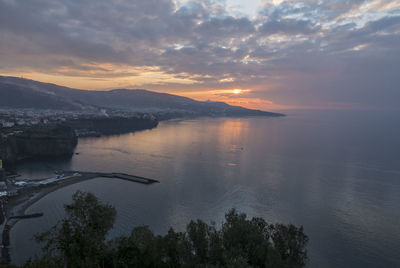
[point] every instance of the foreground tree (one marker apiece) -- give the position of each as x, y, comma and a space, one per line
79, 241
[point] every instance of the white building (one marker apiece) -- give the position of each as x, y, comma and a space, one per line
8, 124
3, 186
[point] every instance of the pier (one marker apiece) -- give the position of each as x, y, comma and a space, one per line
27, 216
122, 176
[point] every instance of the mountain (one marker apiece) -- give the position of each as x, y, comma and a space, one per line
24, 93
16, 96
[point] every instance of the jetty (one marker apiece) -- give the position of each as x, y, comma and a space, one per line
121, 176
27, 216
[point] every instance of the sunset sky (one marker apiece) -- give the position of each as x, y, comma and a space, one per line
314, 54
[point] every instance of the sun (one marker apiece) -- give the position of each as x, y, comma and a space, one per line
237, 91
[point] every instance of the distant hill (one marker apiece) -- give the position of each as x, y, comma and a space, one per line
16, 96
24, 93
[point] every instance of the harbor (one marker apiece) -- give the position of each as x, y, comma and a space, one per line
17, 195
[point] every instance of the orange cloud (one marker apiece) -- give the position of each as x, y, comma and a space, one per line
105, 76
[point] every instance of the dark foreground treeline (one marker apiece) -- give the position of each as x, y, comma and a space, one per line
79, 240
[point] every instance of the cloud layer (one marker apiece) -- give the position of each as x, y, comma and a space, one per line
315, 54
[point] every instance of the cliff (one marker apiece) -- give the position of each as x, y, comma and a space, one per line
46, 141
37, 142
110, 125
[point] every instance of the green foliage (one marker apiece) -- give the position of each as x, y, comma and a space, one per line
79, 241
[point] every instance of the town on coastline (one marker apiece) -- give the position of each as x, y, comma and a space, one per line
27, 134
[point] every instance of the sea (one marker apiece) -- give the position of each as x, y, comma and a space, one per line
336, 173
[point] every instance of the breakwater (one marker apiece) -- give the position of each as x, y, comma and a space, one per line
122, 176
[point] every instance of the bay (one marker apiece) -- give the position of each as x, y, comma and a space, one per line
336, 173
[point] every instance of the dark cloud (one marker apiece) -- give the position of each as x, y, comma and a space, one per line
225, 27
288, 26
295, 53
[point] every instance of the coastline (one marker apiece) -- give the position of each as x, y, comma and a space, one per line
20, 204
17, 205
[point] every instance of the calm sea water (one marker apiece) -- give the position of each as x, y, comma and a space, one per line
335, 173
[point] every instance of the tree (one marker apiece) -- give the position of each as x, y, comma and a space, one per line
79, 239
140, 249
291, 243
245, 239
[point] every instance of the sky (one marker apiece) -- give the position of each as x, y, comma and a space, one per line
264, 54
